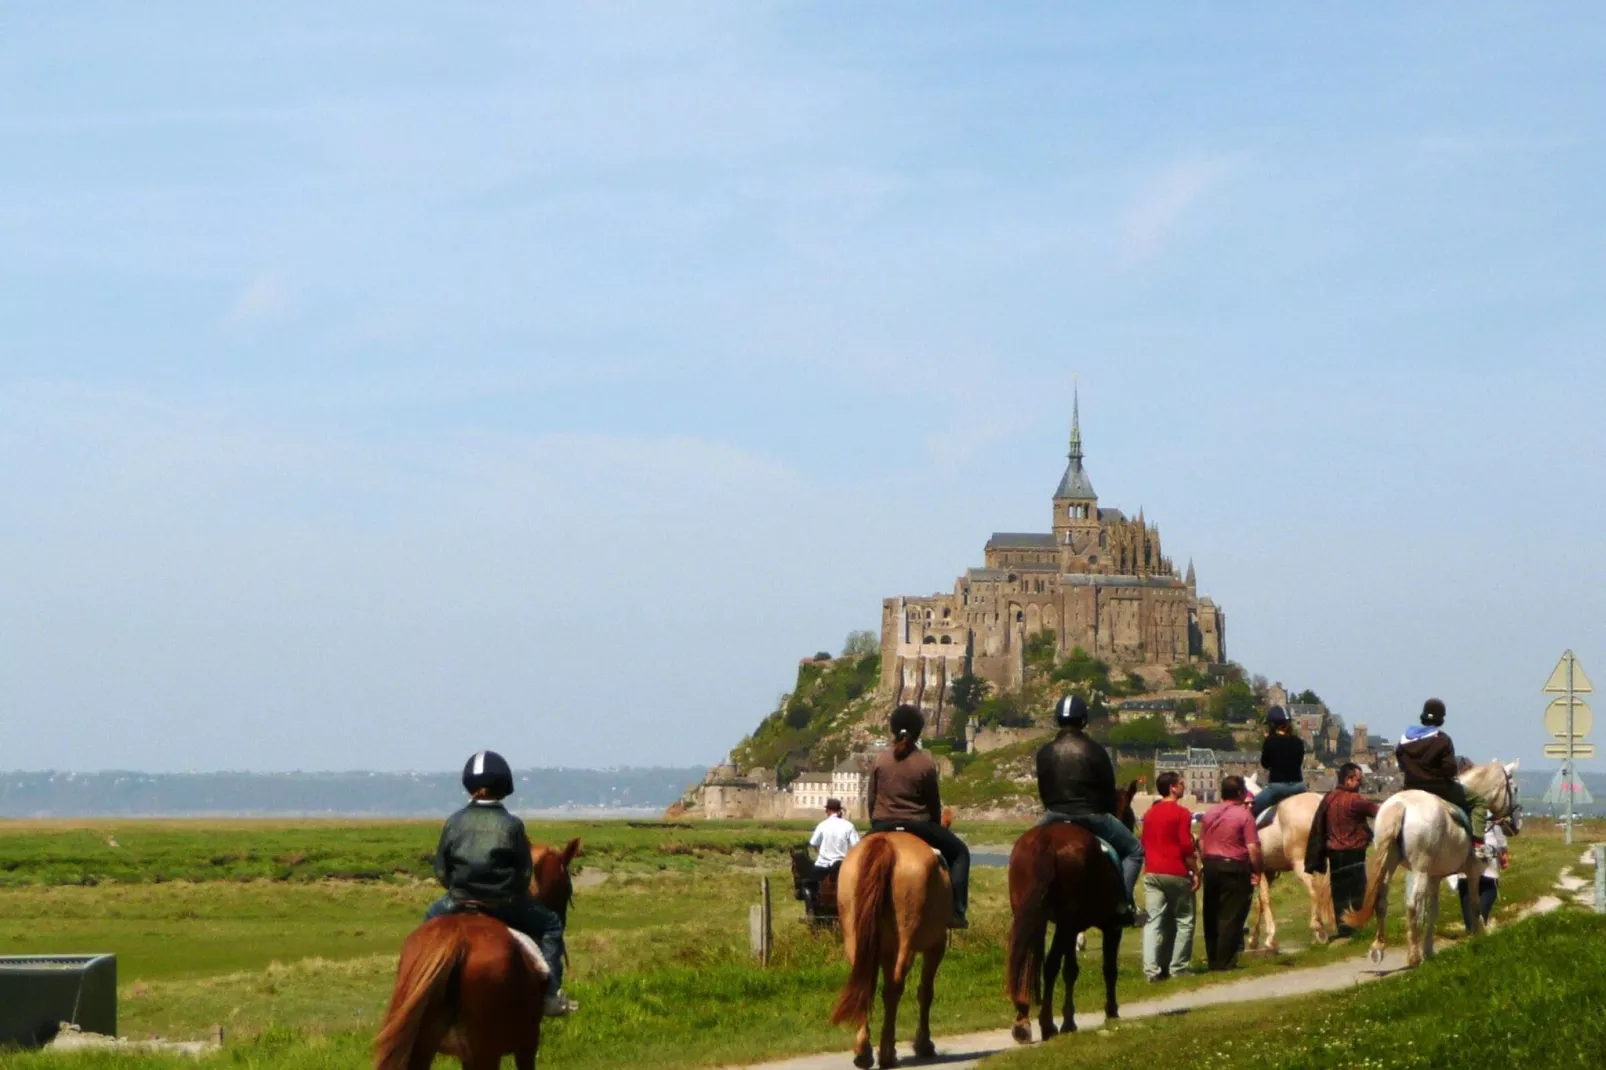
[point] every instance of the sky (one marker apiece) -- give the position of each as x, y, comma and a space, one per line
380, 382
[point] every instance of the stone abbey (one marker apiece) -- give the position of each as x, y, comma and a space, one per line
1097, 579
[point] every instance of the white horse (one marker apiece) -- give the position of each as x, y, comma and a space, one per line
1282, 850
1417, 828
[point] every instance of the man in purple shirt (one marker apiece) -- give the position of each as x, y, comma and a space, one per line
1230, 847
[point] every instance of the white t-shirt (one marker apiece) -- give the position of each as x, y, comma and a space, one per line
834, 836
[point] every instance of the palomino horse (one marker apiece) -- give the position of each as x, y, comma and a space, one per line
1282, 849
1416, 828
1058, 873
466, 986
894, 901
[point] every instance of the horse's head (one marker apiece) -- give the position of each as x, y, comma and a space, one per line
549, 875
1123, 805
1495, 782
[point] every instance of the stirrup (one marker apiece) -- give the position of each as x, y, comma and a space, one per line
556, 1005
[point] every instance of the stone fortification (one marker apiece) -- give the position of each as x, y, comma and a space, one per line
1098, 580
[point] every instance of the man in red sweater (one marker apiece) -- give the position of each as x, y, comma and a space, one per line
1171, 876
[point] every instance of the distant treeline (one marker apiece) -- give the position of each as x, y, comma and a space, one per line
109, 794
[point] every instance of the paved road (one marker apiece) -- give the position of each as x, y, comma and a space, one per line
969, 1049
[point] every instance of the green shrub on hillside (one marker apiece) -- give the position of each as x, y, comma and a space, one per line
787, 740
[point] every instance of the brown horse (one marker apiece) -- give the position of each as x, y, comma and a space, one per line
1058, 874
894, 902
466, 986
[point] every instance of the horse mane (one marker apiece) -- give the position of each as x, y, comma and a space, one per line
550, 883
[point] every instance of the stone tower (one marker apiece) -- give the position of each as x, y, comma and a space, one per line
1076, 505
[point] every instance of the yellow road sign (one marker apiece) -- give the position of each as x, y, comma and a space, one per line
1557, 684
1559, 750
1556, 718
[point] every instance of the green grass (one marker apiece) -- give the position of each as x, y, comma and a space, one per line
91, 853
1526, 995
298, 970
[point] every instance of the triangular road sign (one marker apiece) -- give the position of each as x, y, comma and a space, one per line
1557, 684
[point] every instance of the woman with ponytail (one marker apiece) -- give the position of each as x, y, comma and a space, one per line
903, 795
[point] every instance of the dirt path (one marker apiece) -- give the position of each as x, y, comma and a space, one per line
968, 1049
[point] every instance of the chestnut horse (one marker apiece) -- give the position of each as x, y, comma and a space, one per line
1057, 873
467, 987
894, 901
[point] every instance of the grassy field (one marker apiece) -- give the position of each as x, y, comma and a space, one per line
1523, 996
296, 968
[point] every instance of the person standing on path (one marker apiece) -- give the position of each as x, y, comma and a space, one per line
1231, 849
1496, 855
1348, 836
903, 795
1171, 877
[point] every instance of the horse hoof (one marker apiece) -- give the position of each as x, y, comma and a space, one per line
1021, 1033
1112, 1012
1068, 1027
1048, 1030
863, 1060
925, 1049
1321, 936
1376, 956
889, 1061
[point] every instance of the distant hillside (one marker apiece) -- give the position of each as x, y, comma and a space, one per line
359, 794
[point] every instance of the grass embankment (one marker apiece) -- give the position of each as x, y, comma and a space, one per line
298, 971
1527, 995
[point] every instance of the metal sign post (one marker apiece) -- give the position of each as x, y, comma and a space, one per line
1573, 723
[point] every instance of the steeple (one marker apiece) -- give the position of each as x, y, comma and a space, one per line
1075, 484
1192, 581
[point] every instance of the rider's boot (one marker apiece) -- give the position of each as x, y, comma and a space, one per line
1131, 869
557, 1005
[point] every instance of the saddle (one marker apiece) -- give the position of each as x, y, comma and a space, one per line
526, 942
941, 861
1267, 816
1104, 845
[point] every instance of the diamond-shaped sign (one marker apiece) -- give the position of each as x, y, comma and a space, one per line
1556, 718
1557, 684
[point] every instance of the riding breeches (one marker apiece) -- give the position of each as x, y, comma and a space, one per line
528, 917
951, 847
1274, 793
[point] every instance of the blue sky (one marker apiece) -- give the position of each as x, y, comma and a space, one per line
382, 382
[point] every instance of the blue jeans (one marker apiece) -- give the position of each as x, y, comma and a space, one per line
528, 917
1272, 794
1116, 835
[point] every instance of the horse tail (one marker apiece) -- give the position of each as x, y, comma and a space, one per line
1390, 830
1023, 974
870, 897
424, 982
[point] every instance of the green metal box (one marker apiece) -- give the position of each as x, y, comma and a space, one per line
39, 992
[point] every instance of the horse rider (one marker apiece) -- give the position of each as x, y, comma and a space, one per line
1282, 756
1427, 760
903, 795
832, 839
1076, 781
483, 860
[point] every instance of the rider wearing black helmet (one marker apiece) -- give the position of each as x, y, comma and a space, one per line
903, 795
1428, 763
483, 860
1282, 756
1076, 782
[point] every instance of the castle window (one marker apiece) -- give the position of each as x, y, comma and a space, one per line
947, 640
929, 639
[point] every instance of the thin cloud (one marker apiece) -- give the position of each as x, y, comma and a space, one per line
1158, 211
264, 299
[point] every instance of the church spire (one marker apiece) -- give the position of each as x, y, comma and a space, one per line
1075, 484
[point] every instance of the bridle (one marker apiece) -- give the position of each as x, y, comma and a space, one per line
1511, 820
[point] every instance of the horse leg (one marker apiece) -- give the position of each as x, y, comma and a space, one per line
1318, 919
924, 1048
891, 993
1264, 914
1432, 912
1051, 968
1072, 968
1375, 952
1470, 878
1112, 950
1415, 905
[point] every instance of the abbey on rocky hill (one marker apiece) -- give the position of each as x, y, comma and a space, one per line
1098, 580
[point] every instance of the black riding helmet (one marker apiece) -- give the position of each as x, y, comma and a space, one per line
1071, 712
489, 771
1433, 712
